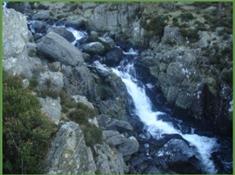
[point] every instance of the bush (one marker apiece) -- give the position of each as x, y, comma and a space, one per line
81, 114
26, 131
92, 134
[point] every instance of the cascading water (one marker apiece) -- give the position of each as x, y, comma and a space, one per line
143, 109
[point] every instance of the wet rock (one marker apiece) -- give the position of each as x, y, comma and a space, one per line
59, 49
176, 154
69, 153
62, 31
38, 27
107, 42
113, 57
94, 48
52, 108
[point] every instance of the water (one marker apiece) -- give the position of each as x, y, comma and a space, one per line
143, 108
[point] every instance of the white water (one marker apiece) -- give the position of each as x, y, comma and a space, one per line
143, 108
78, 35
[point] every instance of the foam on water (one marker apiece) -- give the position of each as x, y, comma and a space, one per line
143, 108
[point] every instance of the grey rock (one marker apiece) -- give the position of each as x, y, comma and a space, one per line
175, 73
83, 100
129, 147
177, 150
107, 42
52, 108
108, 160
113, 138
126, 146
172, 36
62, 31
59, 49
16, 43
68, 153
113, 57
107, 122
184, 100
51, 80
94, 48
41, 15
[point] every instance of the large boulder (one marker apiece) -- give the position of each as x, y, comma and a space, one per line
59, 49
68, 153
16, 38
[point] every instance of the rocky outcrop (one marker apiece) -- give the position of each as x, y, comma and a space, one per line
69, 153
57, 48
187, 66
16, 39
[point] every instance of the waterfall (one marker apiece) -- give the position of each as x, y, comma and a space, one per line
143, 109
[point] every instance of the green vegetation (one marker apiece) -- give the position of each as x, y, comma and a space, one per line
81, 114
26, 131
190, 34
186, 16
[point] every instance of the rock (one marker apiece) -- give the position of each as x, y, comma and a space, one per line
175, 73
15, 45
59, 49
108, 160
113, 57
127, 146
93, 36
68, 153
38, 26
177, 154
51, 81
76, 21
15, 33
113, 138
184, 100
83, 100
107, 42
130, 147
79, 80
94, 48
172, 36
41, 15
52, 108
109, 123
62, 31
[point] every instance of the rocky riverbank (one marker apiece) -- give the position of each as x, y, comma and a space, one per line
184, 59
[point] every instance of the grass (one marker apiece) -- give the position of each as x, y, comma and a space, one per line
26, 131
